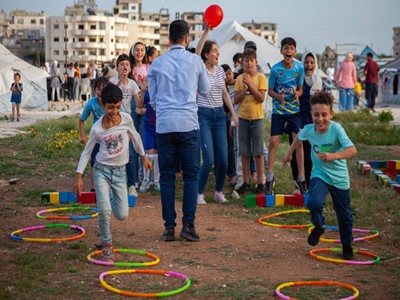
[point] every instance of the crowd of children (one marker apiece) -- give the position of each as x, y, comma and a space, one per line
227, 110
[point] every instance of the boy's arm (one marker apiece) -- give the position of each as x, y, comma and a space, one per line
239, 95
288, 156
349, 152
275, 95
82, 131
259, 95
228, 102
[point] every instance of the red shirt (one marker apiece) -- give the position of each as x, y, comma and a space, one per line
372, 69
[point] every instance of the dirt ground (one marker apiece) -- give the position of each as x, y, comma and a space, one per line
233, 248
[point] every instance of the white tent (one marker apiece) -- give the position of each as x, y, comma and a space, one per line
34, 95
231, 38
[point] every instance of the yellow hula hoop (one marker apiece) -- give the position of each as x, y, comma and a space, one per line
261, 220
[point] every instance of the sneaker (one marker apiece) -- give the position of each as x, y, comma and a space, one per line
268, 188
17, 119
189, 233
260, 188
239, 182
107, 254
200, 199
156, 186
301, 185
144, 186
169, 234
220, 198
245, 186
132, 191
313, 238
233, 181
347, 252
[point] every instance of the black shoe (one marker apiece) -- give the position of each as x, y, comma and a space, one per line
189, 233
313, 238
347, 252
169, 234
301, 185
260, 188
269, 185
245, 186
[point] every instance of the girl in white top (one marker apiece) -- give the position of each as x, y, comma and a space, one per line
213, 133
112, 131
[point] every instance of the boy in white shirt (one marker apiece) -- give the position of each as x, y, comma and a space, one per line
112, 131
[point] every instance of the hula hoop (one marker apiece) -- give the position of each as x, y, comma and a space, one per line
374, 234
299, 283
39, 214
15, 235
343, 261
260, 220
145, 295
124, 264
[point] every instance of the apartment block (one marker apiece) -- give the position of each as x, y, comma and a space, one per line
266, 30
396, 41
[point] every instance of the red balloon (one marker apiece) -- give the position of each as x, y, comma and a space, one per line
213, 15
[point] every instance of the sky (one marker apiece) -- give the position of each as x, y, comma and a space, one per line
314, 24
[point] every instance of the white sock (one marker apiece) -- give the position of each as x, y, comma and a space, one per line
146, 174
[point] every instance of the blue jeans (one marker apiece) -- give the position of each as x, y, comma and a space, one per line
213, 140
341, 203
346, 101
186, 147
132, 167
104, 178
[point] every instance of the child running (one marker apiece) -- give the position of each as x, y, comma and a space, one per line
330, 148
112, 132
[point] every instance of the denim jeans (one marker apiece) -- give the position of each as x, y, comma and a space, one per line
186, 147
213, 140
341, 203
133, 166
104, 178
346, 101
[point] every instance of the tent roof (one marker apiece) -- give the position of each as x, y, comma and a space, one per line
394, 64
231, 38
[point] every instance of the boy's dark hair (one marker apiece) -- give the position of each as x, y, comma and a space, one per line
288, 41
249, 53
122, 57
101, 81
322, 97
17, 74
237, 56
226, 67
206, 49
111, 94
370, 54
177, 31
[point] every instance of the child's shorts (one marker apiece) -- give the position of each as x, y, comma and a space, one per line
149, 136
251, 137
278, 123
94, 153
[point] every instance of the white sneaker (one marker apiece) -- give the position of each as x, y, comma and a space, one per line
220, 198
200, 199
239, 182
144, 186
132, 191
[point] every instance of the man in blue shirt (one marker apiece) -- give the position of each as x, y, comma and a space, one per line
174, 79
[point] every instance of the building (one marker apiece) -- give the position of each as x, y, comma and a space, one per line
3, 25
195, 21
27, 25
86, 35
163, 19
266, 30
396, 41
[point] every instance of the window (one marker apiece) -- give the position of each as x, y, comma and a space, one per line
101, 40
93, 26
56, 52
133, 18
92, 52
92, 40
65, 52
81, 52
133, 7
81, 39
112, 27
41, 21
20, 21
102, 25
33, 21
112, 53
56, 39
81, 26
65, 39
102, 51
56, 26
112, 40
156, 42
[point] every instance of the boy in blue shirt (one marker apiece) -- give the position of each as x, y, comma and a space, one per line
330, 148
285, 86
95, 107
